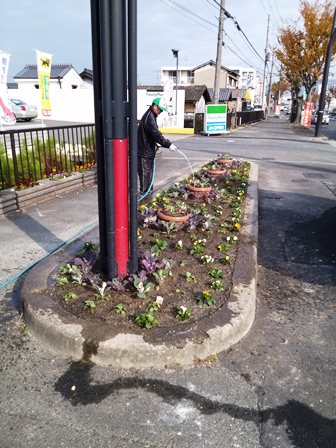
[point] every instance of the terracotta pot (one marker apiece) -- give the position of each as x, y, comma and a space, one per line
216, 172
204, 190
179, 219
227, 162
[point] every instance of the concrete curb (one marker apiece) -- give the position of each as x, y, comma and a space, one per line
15, 201
169, 347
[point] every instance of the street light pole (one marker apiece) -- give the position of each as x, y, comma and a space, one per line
175, 53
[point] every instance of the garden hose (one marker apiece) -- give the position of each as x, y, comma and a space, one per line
150, 185
51, 251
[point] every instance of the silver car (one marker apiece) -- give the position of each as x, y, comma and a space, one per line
22, 110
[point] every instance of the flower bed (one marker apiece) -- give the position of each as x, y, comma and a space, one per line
185, 269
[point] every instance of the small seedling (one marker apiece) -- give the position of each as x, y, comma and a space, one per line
146, 320
218, 285
69, 296
183, 313
216, 273
120, 309
159, 246
205, 299
90, 304
190, 277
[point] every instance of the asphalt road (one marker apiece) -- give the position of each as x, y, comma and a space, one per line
328, 130
274, 389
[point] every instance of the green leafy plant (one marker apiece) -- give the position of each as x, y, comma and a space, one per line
72, 273
142, 288
120, 309
223, 248
90, 304
205, 299
161, 274
216, 273
101, 289
198, 246
190, 277
88, 246
169, 226
183, 313
146, 320
159, 246
200, 182
70, 296
218, 285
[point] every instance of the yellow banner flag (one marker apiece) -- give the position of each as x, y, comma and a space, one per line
43, 71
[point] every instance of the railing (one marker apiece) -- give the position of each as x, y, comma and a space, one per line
28, 155
249, 116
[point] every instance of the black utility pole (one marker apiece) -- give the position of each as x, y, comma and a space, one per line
220, 43
325, 77
114, 76
100, 159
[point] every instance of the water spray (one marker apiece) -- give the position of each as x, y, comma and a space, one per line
152, 180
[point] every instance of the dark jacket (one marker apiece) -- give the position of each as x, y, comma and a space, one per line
149, 136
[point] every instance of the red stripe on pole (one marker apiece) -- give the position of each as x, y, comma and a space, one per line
120, 148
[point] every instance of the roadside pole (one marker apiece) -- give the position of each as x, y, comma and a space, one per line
325, 77
113, 51
220, 44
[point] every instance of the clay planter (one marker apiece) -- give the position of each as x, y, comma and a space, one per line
201, 190
227, 162
216, 172
179, 219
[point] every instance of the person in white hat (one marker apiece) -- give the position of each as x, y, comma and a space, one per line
149, 137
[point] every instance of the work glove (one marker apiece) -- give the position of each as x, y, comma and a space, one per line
172, 147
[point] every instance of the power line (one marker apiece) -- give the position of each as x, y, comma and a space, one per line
210, 3
195, 16
270, 7
242, 54
276, 5
191, 12
243, 60
229, 16
185, 15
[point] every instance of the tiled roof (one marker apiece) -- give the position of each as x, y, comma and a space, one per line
57, 71
194, 93
228, 94
87, 74
213, 63
224, 94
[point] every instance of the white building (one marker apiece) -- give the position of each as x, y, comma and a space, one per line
185, 75
71, 96
250, 80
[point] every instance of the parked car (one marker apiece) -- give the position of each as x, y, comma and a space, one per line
22, 110
325, 117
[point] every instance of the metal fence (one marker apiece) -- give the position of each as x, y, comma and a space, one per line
28, 155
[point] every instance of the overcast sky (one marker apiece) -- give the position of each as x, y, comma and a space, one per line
63, 28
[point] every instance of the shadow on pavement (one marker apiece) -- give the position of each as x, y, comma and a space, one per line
305, 428
36, 231
297, 236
